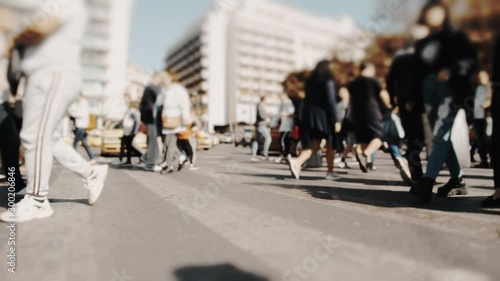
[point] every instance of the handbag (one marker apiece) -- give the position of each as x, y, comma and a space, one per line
393, 129
171, 122
460, 139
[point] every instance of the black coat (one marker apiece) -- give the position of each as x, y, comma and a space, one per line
319, 111
448, 49
401, 80
148, 104
366, 103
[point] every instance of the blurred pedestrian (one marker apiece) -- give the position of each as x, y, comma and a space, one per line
131, 124
184, 145
176, 115
494, 200
149, 117
262, 130
445, 61
367, 109
401, 88
10, 144
319, 120
80, 111
287, 125
482, 102
52, 67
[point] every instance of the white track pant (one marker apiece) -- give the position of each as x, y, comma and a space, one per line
48, 95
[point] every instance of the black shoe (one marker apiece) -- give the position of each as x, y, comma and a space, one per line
482, 165
423, 189
491, 203
452, 188
181, 165
362, 165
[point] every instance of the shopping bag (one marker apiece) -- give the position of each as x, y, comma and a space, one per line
460, 139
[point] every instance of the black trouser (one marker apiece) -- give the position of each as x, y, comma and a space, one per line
285, 144
414, 130
185, 146
482, 143
9, 148
127, 143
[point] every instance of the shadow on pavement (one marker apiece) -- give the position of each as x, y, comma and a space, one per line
225, 272
72, 201
393, 199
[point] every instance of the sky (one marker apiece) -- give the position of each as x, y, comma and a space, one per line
157, 24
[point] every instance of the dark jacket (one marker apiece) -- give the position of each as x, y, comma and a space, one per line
366, 103
448, 49
400, 81
148, 104
319, 111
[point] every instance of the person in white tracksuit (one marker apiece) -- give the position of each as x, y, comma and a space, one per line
52, 66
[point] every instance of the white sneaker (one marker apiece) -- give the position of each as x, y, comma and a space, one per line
193, 167
294, 167
95, 182
157, 168
28, 209
333, 176
278, 160
182, 158
255, 159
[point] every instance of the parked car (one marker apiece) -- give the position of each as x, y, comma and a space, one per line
204, 141
111, 139
244, 136
227, 138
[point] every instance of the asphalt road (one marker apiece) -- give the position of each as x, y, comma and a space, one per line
235, 220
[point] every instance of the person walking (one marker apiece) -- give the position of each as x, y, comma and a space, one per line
149, 117
262, 130
10, 144
80, 111
184, 145
131, 124
287, 125
368, 110
482, 102
176, 116
494, 200
319, 120
445, 61
52, 67
401, 88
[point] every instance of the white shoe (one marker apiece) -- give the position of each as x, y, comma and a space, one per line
294, 167
182, 158
333, 176
95, 182
278, 160
157, 168
193, 167
28, 209
255, 159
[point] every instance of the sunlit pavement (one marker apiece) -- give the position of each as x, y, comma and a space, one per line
237, 220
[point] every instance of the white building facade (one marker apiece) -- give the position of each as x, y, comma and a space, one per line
242, 50
105, 57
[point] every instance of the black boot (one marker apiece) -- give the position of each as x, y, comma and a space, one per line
423, 189
454, 187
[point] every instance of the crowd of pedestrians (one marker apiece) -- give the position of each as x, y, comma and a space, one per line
434, 88
433, 95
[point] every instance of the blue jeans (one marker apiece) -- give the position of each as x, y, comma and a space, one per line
262, 132
439, 98
394, 150
81, 135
